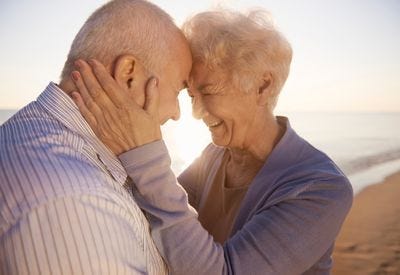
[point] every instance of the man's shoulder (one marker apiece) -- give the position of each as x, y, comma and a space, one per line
49, 168
29, 123
36, 149
41, 161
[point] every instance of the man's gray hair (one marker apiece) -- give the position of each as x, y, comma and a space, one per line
120, 27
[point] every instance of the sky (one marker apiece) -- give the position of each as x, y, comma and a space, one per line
346, 53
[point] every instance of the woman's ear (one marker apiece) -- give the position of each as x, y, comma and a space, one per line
131, 75
265, 89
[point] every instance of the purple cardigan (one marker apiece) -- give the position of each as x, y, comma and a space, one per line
287, 222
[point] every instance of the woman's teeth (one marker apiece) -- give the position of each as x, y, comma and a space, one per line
215, 124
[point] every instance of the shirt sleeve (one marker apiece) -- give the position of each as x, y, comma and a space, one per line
83, 234
286, 238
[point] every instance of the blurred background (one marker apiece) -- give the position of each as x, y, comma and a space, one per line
342, 95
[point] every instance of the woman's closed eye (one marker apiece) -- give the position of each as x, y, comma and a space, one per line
212, 90
207, 93
208, 90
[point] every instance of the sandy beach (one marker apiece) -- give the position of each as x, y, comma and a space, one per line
369, 242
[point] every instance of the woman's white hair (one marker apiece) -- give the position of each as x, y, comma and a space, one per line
119, 27
243, 46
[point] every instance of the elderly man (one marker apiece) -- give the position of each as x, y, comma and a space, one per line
65, 202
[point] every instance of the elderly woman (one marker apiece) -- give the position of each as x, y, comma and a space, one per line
262, 199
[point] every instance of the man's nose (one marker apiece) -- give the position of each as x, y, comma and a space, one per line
177, 114
198, 110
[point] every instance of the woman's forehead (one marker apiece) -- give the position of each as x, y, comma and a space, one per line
202, 74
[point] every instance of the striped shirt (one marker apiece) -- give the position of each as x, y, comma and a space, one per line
64, 208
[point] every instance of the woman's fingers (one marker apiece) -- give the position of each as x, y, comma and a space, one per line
80, 85
90, 104
115, 117
87, 115
89, 79
107, 82
100, 101
152, 102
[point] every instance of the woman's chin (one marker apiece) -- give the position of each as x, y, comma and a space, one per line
219, 141
220, 135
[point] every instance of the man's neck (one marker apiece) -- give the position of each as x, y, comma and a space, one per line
67, 86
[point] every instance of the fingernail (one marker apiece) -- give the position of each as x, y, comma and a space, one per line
75, 75
155, 82
73, 95
77, 64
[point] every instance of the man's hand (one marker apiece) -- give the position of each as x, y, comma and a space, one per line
117, 120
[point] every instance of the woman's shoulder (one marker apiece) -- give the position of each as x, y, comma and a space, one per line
210, 158
213, 150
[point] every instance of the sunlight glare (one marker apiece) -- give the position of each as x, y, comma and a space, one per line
185, 138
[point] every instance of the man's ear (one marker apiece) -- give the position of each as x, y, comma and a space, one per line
128, 71
131, 75
265, 89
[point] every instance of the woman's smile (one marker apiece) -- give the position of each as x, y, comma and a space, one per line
214, 124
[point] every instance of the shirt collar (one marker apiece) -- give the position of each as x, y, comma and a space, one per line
63, 108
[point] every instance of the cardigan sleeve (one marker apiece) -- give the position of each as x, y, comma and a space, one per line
195, 178
189, 179
285, 238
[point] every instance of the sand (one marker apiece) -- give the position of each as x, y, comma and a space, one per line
369, 242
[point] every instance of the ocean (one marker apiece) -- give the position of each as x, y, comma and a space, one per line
366, 146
